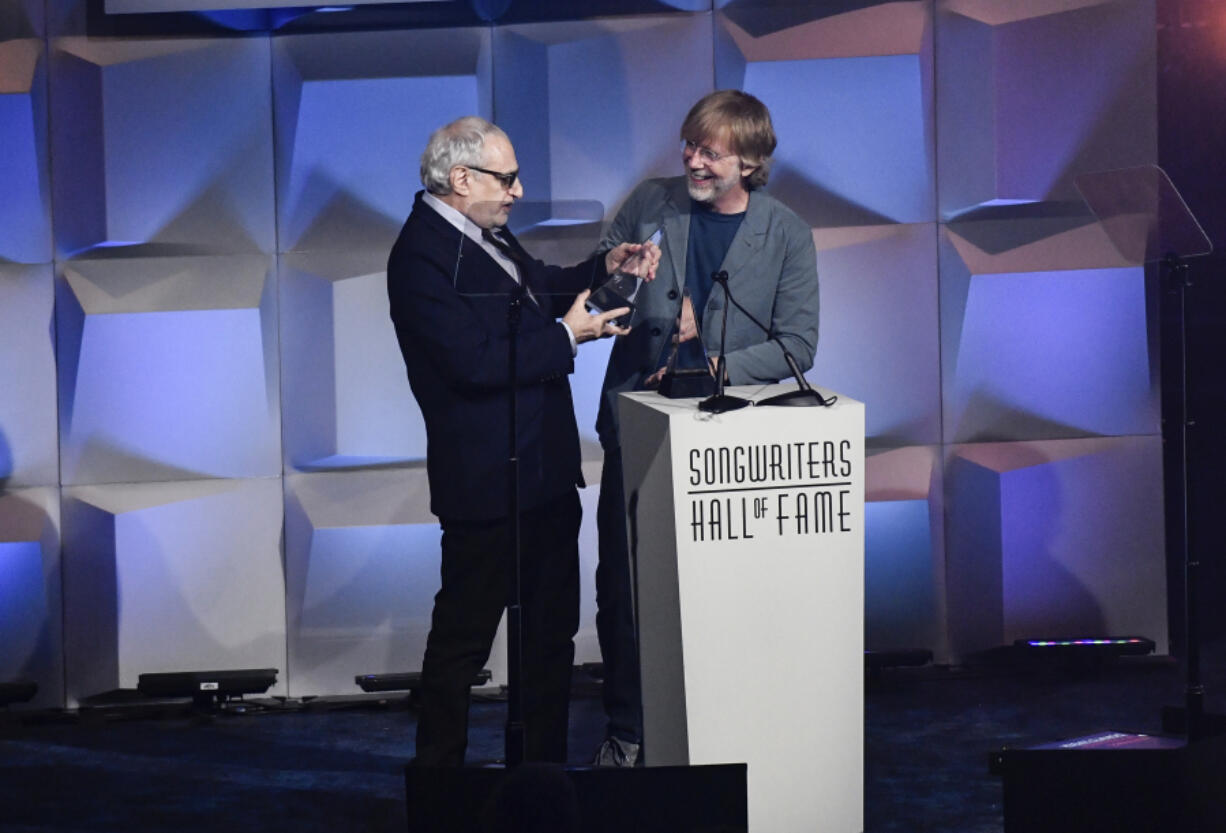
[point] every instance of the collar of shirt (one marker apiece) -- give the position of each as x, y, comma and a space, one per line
472, 231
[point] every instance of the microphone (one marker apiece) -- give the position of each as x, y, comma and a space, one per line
721, 402
806, 396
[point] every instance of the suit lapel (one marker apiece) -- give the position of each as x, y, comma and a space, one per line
676, 225
487, 274
749, 239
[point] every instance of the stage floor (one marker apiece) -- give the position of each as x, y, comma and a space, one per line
337, 765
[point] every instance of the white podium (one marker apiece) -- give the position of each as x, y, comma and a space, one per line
747, 536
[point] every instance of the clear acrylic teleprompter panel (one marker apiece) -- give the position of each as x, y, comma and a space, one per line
1143, 214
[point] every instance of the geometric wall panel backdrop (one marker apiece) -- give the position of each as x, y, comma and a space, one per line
904, 553
594, 107
168, 369
204, 415
1032, 94
31, 612
361, 571
29, 453
849, 87
879, 318
144, 159
1045, 354
172, 577
354, 111
521, 10
25, 202
22, 19
1055, 538
346, 399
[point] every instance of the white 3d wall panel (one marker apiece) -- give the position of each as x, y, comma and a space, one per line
197, 366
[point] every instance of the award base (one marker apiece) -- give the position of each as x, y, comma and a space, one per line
687, 383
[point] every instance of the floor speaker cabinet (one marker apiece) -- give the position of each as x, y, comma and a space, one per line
671, 799
1115, 782
18, 691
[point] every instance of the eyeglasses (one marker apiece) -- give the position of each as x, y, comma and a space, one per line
705, 152
506, 180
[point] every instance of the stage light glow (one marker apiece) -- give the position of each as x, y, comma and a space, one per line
1088, 646
1039, 643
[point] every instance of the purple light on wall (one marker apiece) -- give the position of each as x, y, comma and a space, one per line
355, 146
1068, 349
1073, 90
854, 127
170, 395
23, 604
25, 216
1079, 538
900, 592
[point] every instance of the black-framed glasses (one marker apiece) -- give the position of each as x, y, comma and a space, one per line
506, 180
705, 152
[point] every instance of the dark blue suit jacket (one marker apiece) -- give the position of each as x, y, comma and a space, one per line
449, 302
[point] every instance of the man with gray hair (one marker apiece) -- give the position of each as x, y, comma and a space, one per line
464, 298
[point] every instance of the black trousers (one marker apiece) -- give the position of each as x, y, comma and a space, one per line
615, 627
476, 571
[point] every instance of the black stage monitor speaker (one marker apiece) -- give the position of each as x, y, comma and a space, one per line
17, 691
693, 799
1115, 782
404, 681
207, 686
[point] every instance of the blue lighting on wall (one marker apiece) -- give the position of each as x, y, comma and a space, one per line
23, 603
1070, 348
898, 567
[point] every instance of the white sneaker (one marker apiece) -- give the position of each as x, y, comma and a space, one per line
617, 752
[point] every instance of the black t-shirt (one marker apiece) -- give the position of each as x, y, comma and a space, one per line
711, 236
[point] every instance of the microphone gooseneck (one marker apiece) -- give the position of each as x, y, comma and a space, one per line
805, 396
721, 402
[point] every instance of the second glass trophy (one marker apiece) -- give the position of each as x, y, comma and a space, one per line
619, 290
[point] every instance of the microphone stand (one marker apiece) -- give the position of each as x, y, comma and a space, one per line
514, 737
721, 402
806, 396
1173, 272
1148, 222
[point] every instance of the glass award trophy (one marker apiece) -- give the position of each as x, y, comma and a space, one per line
619, 290
683, 370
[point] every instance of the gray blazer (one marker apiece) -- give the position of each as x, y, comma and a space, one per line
772, 272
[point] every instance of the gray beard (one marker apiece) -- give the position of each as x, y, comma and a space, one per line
706, 195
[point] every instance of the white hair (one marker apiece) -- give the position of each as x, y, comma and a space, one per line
459, 143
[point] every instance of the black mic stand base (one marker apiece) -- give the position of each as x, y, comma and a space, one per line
722, 403
808, 398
